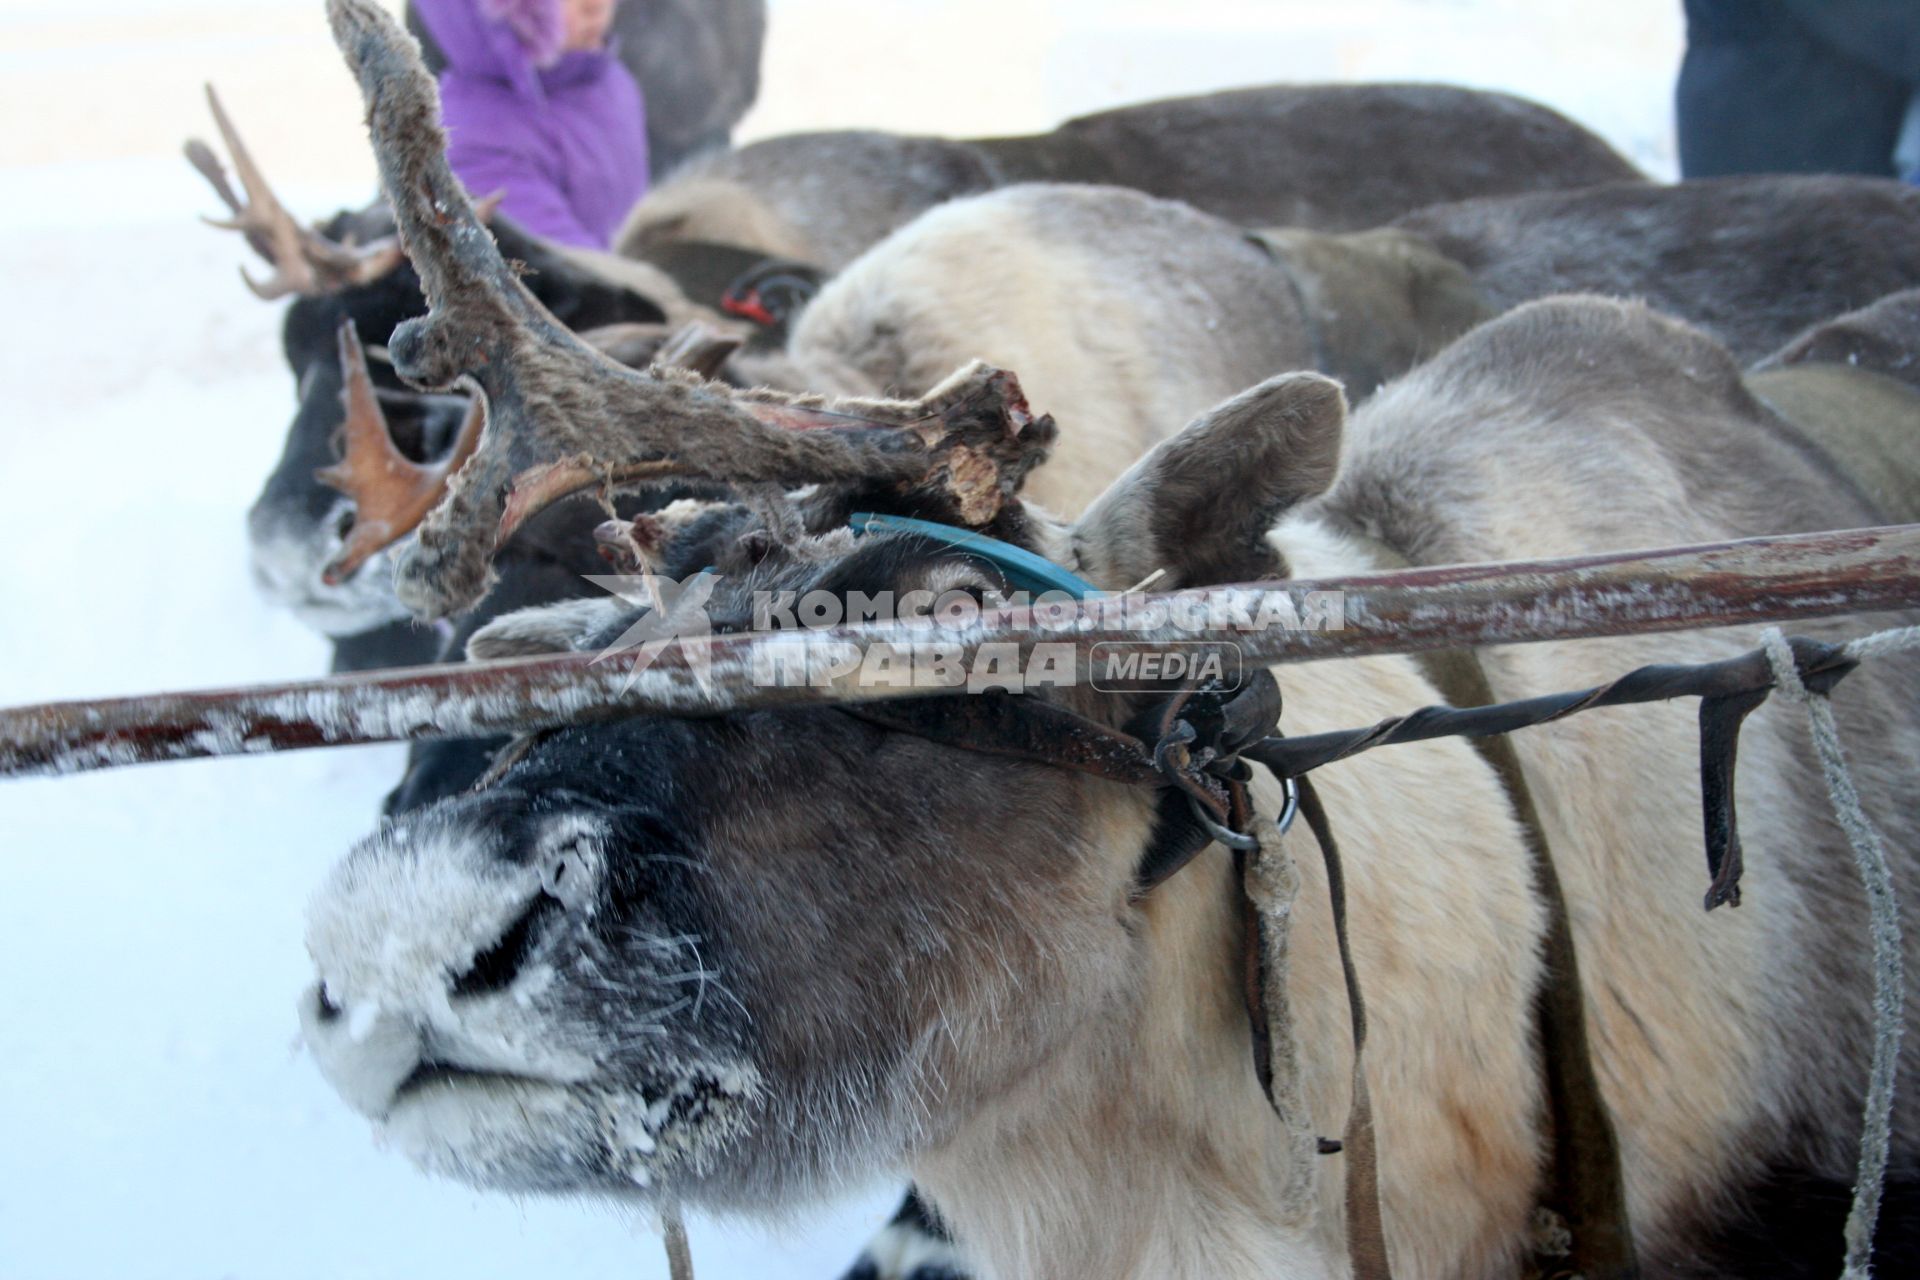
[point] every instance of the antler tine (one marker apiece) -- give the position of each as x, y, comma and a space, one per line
460, 268
269, 229
304, 261
563, 416
202, 158
391, 493
534, 489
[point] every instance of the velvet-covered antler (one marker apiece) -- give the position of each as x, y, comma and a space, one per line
557, 405
303, 260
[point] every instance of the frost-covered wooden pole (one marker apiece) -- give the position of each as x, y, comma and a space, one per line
1681, 588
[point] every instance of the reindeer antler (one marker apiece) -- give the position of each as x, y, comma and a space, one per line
563, 416
391, 493
303, 260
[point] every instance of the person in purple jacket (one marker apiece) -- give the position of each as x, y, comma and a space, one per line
538, 106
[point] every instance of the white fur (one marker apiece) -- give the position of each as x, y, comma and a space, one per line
902, 1248
547, 628
391, 930
286, 569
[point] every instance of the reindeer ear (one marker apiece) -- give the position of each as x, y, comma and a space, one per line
548, 628
1199, 505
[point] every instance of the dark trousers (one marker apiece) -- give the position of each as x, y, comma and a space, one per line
1796, 86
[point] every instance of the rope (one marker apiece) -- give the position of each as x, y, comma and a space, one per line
1728, 690
1870, 858
673, 1232
1272, 881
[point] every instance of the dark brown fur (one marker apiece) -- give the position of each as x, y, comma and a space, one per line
1335, 157
1883, 338
1751, 260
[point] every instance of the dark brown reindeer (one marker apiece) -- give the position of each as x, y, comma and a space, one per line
1714, 252
915, 955
1331, 157
350, 272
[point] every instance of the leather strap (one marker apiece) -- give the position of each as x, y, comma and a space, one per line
1585, 1186
1366, 1231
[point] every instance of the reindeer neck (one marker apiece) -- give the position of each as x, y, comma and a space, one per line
1376, 302
1147, 1148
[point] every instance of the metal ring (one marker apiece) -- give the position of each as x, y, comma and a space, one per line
1289, 810
1225, 835
1290, 806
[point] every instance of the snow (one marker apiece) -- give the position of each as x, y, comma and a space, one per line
159, 1118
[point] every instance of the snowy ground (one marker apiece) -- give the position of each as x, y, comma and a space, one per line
157, 1118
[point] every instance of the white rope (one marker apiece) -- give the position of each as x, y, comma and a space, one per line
1882, 643
673, 1231
1870, 859
1273, 882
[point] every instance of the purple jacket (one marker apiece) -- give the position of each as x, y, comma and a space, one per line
566, 140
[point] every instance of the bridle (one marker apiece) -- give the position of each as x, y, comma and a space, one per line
1194, 747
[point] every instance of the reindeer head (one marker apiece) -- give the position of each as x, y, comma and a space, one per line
742, 958
351, 274
736, 960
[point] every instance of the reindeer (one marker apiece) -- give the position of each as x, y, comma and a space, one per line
1711, 251
915, 954
351, 271
1130, 313
1331, 157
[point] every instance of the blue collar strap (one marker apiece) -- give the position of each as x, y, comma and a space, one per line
1024, 570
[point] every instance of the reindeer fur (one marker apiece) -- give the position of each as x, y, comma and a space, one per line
1337, 157
944, 967
1125, 313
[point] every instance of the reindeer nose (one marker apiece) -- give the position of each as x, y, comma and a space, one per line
495, 968
366, 1053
